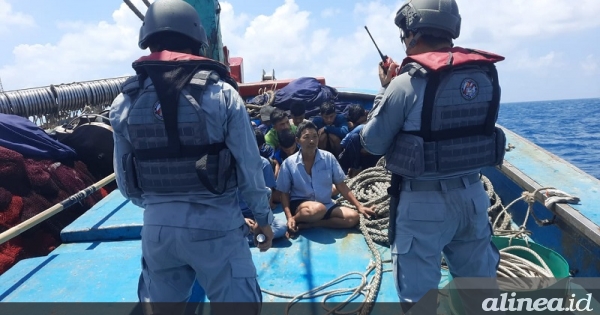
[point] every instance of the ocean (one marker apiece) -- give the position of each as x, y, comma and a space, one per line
569, 129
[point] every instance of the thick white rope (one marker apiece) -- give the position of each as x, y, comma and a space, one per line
370, 188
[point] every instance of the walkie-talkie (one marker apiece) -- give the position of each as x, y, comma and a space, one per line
386, 61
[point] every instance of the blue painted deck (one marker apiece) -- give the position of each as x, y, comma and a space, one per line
111, 268
113, 218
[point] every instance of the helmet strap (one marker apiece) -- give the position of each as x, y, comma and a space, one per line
414, 40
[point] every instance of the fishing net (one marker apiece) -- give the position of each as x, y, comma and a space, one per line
30, 186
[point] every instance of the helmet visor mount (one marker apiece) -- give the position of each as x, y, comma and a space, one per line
439, 18
405, 16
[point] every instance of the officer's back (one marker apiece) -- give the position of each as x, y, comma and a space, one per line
183, 147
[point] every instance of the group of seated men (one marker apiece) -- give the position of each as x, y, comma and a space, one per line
305, 163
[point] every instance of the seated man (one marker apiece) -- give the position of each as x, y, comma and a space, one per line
332, 127
265, 119
357, 116
265, 150
278, 225
305, 182
297, 111
280, 122
287, 146
354, 158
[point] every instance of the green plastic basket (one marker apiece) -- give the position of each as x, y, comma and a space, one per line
557, 264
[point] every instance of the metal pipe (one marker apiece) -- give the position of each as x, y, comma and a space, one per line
42, 216
134, 9
147, 3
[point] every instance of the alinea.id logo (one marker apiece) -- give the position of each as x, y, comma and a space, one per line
513, 303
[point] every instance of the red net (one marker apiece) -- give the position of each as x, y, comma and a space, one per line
28, 187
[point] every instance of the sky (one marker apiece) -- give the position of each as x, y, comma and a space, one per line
552, 47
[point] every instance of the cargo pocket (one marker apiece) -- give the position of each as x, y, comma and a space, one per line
426, 219
151, 233
402, 245
244, 286
421, 211
480, 221
197, 235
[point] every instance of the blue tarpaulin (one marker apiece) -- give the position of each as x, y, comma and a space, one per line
21, 135
307, 90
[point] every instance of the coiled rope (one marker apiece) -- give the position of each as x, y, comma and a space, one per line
370, 188
264, 98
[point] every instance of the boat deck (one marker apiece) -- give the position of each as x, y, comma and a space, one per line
103, 247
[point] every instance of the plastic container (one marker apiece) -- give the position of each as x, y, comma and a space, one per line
556, 263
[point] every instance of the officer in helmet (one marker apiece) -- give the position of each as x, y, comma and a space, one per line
434, 120
183, 147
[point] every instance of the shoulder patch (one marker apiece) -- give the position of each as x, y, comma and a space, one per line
469, 89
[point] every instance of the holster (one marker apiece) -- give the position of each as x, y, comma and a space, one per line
394, 193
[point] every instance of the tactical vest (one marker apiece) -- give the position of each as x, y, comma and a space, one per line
460, 109
168, 131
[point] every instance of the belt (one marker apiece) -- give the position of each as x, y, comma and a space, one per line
441, 184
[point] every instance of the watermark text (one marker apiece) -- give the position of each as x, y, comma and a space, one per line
504, 303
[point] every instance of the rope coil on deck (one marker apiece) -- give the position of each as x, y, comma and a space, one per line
370, 188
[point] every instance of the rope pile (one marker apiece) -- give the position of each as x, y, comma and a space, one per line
518, 274
264, 98
370, 188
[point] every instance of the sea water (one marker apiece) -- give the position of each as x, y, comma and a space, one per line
569, 129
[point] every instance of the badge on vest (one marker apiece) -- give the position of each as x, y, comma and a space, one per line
158, 111
469, 89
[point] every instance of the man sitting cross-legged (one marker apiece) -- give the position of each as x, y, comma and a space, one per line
332, 128
305, 181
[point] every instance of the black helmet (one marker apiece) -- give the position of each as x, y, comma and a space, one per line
435, 17
175, 16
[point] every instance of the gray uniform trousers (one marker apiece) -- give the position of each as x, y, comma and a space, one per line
221, 261
451, 218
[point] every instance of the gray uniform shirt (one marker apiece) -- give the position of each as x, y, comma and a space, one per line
397, 108
228, 122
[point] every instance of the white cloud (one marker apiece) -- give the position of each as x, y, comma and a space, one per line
502, 23
590, 65
269, 41
9, 18
84, 52
523, 61
290, 41
287, 42
330, 12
